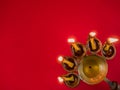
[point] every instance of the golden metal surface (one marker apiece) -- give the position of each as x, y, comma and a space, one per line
93, 69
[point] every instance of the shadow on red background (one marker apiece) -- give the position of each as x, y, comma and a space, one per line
33, 33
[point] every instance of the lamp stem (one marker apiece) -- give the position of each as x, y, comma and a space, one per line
113, 84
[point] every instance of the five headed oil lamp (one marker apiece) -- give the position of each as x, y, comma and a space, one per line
91, 69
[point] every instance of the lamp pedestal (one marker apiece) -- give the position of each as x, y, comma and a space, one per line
112, 84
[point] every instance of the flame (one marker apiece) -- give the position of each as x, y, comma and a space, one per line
60, 79
71, 40
112, 40
92, 34
60, 58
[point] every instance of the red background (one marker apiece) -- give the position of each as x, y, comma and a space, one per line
34, 33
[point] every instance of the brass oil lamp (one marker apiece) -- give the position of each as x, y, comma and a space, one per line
91, 69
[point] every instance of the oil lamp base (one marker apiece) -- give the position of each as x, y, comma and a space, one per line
93, 69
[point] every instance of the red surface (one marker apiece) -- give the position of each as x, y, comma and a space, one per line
34, 33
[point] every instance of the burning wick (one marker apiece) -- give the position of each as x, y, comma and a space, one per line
112, 40
94, 43
60, 58
109, 50
92, 34
71, 40
60, 79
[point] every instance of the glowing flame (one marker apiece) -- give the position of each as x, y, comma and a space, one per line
60, 79
92, 34
112, 40
60, 58
71, 40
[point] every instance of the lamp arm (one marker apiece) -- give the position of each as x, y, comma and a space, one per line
114, 85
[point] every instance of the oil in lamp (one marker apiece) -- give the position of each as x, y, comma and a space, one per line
70, 79
68, 63
78, 49
94, 44
91, 69
108, 49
